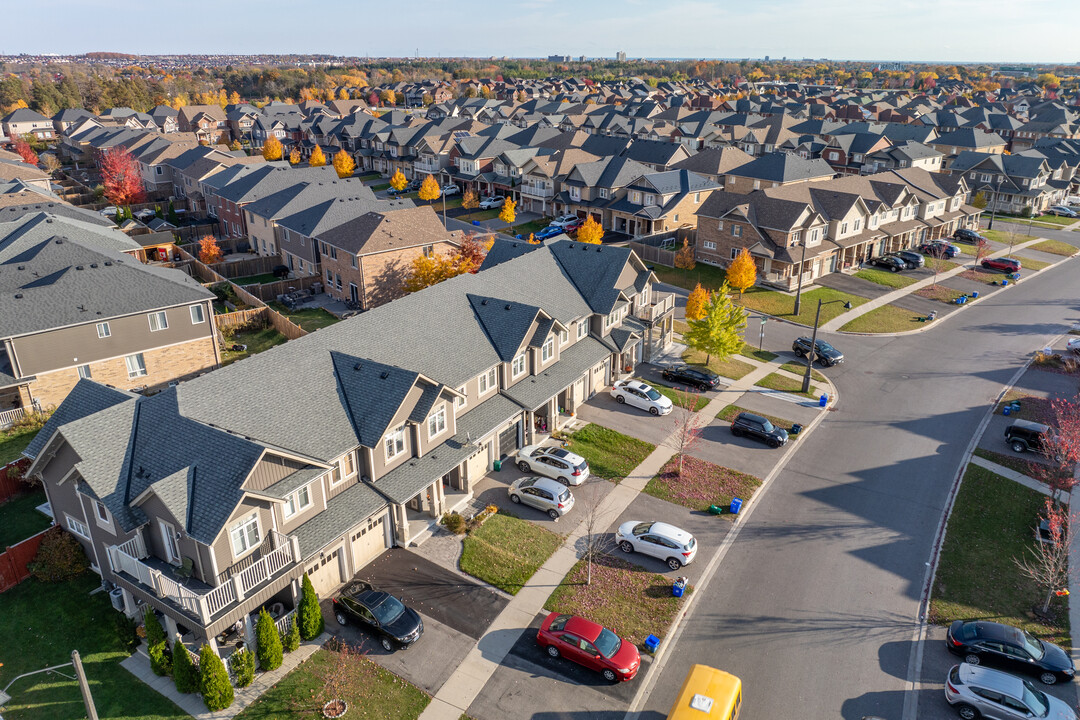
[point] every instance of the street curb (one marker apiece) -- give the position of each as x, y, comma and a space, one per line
659, 659
912, 682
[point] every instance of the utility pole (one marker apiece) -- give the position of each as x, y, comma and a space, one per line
84, 687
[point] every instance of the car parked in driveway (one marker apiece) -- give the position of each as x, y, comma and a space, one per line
590, 645
1073, 345
549, 232
976, 692
754, 426
966, 235
826, 355
939, 249
1010, 648
1063, 211
492, 201
913, 259
572, 227
659, 540
564, 220
1005, 265
450, 190
889, 262
544, 494
700, 378
390, 620
555, 462
1027, 436
638, 394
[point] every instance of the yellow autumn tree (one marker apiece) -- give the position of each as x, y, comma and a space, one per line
272, 148
344, 164
591, 232
294, 157
425, 271
508, 215
234, 98
209, 252
533, 240
469, 200
742, 273
398, 181
317, 159
429, 189
696, 303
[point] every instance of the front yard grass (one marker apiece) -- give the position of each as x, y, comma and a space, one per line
256, 341
1002, 236
374, 693
13, 442
884, 319
710, 276
701, 484
526, 229
775, 381
939, 293
629, 600
481, 215
1055, 247
681, 327
1010, 461
505, 551
729, 413
311, 319
730, 368
762, 355
884, 277
991, 523
380, 186
979, 275
42, 623
19, 520
799, 368
672, 394
1054, 219
782, 305
610, 454
1034, 265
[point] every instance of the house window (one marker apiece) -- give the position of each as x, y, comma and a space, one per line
84, 372
635, 197
198, 316
843, 228
548, 350
103, 330
582, 329
395, 443
650, 199
564, 337
736, 230
347, 465
158, 321
735, 252
575, 193
245, 535
720, 225
102, 512
489, 381
709, 245
757, 184
858, 224
136, 366
77, 527
460, 402
429, 250
603, 193
517, 367
352, 261
297, 502
436, 423
697, 197
834, 156
796, 236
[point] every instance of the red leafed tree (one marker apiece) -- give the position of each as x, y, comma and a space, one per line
471, 252
121, 177
209, 252
1062, 447
26, 152
1047, 563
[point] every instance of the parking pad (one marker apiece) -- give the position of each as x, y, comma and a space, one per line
720, 447
767, 403
635, 422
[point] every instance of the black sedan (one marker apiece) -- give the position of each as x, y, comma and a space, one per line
890, 262
382, 614
913, 259
1009, 648
694, 377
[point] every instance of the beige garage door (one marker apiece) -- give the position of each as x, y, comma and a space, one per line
369, 541
478, 464
325, 575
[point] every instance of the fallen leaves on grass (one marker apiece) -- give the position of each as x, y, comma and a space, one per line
701, 484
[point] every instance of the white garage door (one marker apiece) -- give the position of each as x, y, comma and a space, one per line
369, 541
478, 464
325, 575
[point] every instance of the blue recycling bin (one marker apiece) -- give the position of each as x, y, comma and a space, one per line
974, 294
476, 223
823, 400
678, 587
519, 237
1004, 283
1007, 410
736, 505
651, 643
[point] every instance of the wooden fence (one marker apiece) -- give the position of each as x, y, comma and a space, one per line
11, 482
250, 266
661, 248
239, 318
284, 325
14, 560
269, 291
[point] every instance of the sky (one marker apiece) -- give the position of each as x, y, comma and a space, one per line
1006, 31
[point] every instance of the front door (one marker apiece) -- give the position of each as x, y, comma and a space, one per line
168, 539
354, 293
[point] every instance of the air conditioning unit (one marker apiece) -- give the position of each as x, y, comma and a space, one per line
117, 598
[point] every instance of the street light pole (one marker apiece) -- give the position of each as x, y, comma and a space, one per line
993, 208
798, 292
812, 354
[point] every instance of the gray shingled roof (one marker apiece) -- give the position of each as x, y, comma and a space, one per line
506, 323
342, 512
784, 167
86, 398
534, 390
371, 393
283, 487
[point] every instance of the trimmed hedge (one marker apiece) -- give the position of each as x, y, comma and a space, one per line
268, 642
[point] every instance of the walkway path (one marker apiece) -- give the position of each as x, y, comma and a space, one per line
1005, 472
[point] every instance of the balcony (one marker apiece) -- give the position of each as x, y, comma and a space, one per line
661, 304
199, 600
426, 166
537, 190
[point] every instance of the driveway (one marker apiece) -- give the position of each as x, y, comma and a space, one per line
605, 410
851, 284
492, 490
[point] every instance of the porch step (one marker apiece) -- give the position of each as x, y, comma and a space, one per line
419, 537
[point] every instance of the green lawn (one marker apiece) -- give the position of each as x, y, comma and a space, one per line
19, 520
1032, 407
256, 279
1010, 461
701, 484
380, 186
526, 229
480, 215
610, 454
762, 355
1033, 265
13, 442
1055, 219
939, 293
731, 368
451, 203
681, 327
799, 368
775, 381
943, 265
374, 694
884, 319
672, 394
623, 597
505, 551
1002, 236
311, 319
729, 413
710, 276
782, 305
884, 277
992, 522
1055, 247
44, 623
256, 340
979, 275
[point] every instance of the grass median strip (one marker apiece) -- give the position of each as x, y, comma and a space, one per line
991, 524
799, 368
731, 368
775, 381
506, 551
885, 319
1009, 461
1033, 265
939, 293
884, 277
782, 305
1002, 236
672, 394
1056, 247
762, 355
610, 454
979, 275
701, 484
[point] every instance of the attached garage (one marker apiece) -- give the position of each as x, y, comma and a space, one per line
369, 540
508, 440
326, 574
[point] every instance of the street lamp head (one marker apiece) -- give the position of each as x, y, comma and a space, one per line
847, 306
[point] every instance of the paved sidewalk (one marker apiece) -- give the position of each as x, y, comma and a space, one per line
461, 688
1074, 579
844, 318
1005, 472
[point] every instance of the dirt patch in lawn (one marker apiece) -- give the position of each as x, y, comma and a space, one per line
978, 275
701, 484
939, 293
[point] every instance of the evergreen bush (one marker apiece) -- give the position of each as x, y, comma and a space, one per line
217, 691
242, 663
268, 641
185, 674
310, 614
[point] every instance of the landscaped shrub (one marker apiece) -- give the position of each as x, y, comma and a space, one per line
185, 674
291, 639
125, 630
268, 642
242, 664
454, 523
59, 558
156, 644
310, 614
217, 691
154, 632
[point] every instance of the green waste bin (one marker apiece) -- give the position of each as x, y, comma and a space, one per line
497, 465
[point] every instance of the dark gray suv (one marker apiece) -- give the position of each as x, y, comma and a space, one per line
1027, 436
826, 354
754, 426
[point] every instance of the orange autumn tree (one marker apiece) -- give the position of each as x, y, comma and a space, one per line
742, 273
272, 149
696, 302
508, 215
294, 157
429, 189
317, 159
469, 200
344, 164
209, 252
591, 232
398, 181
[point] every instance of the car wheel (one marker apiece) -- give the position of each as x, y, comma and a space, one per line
674, 563
620, 399
340, 617
387, 645
1018, 446
553, 514
736, 432
626, 547
553, 651
799, 351
654, 411
773, 443
971, 659
1048, 678
703, 387
610, 675
967, 712
895, 269
523, 466
515, 499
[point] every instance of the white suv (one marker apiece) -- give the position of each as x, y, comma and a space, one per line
562, 465
564, 220
492, 202
662, 541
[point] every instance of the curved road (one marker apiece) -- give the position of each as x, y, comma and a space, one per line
815, 606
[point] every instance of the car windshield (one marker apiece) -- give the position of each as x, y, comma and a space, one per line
608, 643
558, 623
642, 528
767, 426
1032, 645
388, 610
652, 394
1036, 700
824, 346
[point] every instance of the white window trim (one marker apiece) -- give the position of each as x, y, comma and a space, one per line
491, 378
547, 351
709, 245
564, 337
89, 373
240, 525
77, 526
391, 435
514, 372
438, 417
463, 401
293, 500
103, 330
164, 321
197, 309
138, 373
582, 328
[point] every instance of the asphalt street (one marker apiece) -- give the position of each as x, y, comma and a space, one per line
816, 604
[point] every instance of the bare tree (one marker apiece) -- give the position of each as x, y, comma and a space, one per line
595, 541
336, 678
687, 432
1047, 564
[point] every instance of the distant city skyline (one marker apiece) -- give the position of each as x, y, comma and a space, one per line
955, 31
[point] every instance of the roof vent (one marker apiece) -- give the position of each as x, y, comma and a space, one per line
482, 302
507, 306
59, 241
383, 375
108, 263
81, 308
18, 296
358, 366
48, 220
22, 267
78, 267
93, 265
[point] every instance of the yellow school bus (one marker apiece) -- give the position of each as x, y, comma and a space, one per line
707, 694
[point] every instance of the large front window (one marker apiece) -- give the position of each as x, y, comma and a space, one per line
489, 381
245, 535
436, 423
517, 367
158, 321
395, 443
136, 366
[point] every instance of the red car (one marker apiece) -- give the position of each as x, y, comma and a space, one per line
1005, 265
573, 226
589, 644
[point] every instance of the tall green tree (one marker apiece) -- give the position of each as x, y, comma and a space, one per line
214, 683
310, 614
268, 642
719, 332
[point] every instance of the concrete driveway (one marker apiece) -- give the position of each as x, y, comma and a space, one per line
492, 490
635, 422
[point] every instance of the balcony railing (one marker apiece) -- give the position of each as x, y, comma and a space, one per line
538, 191
662, 302
205, 602
427, 166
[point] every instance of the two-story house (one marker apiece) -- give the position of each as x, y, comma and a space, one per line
591, 187
24, 121
542, 177
208, 122
775, 169
1009, 183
